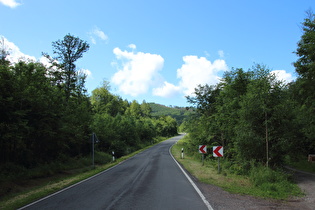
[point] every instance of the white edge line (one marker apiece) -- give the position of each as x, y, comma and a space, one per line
192, 182
60, 191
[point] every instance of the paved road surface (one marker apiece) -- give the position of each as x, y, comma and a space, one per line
149, 180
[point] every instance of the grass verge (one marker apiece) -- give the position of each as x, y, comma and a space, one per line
261, 182
56, 182
303, 165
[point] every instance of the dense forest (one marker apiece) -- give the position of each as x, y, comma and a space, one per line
257, 118
47, 115
176, 112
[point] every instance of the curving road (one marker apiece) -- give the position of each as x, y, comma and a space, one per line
149, 180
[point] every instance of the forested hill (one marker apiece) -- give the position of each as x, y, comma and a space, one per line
178, 113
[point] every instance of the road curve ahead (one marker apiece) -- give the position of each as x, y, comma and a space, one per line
149, 180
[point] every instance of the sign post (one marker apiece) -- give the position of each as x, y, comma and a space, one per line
218, 152
94, 140
203, 150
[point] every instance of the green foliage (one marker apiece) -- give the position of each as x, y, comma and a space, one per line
304, 89
68, 51
178, 113
39, 122
47, 119
249, 114
258, 181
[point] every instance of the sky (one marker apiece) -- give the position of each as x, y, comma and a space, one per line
159, 51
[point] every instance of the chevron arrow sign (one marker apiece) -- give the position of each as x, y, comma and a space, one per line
218, 151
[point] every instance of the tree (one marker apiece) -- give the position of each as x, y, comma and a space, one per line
68, 51
105, 102
265, 116
145, 109
134, 109
305, 67
234, 85
4, 52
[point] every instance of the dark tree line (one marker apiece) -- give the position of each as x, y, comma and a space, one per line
47, 115
256, 117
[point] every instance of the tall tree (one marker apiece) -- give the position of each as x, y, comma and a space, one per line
68, 51
305, 67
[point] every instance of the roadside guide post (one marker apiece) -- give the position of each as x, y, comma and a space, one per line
113, 154
203, 150
218, 152
182, 153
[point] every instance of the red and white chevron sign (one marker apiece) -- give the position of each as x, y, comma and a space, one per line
203, 149
218, 151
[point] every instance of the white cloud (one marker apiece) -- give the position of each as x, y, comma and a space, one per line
221, 53
137, 72
132, 46
197, 71
87, 72
97, 33
282, 75
10, 3
45, 61
168, 90
15, 55
193, 72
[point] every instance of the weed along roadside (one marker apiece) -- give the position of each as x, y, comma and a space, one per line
259, 181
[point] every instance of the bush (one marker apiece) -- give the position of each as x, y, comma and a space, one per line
273, 183
102, 158
261, 175
11, 171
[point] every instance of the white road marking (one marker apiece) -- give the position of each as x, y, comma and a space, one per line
192, 183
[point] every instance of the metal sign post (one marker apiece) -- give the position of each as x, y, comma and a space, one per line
203, 150
219, 169
94, 140
218, 152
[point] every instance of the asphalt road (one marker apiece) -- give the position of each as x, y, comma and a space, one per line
149, 180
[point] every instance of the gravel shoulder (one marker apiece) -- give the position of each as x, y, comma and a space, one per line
220, 199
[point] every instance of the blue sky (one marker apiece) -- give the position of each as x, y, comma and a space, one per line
158, 51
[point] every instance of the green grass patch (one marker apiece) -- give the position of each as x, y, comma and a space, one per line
303, 165
40, 183
261, 181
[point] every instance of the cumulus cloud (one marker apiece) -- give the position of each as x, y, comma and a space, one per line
97, 33
10, 3
14, 52
282, 75
86, 72
137, 71
193, 72
132, 46
221, 53
168, 90
197, 71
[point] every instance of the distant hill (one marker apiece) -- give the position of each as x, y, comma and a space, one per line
178, 113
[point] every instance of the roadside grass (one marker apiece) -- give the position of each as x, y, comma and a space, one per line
303, 165
41, 187
261, 181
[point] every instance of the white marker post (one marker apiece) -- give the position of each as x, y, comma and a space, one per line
182, 153
113, 153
